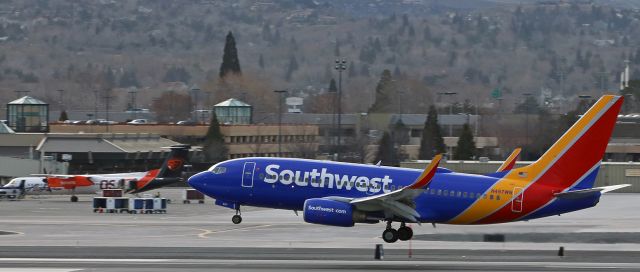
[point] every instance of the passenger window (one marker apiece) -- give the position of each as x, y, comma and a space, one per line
446, 193
433, 192
393, 187
261, 176
313, 180
471, 195
491, 197
459, 194
306, 180
464, 195
498, 197
439, 192
386, 186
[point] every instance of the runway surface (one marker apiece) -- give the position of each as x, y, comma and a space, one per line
51, 233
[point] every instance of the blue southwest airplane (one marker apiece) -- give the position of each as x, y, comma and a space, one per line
342, 194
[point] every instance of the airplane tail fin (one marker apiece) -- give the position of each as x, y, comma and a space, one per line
573, 161
170, 172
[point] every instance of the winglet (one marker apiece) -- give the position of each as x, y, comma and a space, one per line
510, 161
427, 174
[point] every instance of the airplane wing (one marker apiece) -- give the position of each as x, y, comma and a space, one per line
510, 161
399, 203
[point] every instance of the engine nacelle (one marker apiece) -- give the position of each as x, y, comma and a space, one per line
328, 212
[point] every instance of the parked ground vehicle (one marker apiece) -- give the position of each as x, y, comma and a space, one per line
186, 123
138, 122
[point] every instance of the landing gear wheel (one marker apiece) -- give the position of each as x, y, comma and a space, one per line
405, 233
74, 199
236, 219
390, 235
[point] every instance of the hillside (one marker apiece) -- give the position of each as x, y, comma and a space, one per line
94, 49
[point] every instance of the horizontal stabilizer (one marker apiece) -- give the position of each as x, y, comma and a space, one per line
589, 192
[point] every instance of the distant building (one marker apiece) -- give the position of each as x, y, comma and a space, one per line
233, 112
28, 114
89, 152
242, 140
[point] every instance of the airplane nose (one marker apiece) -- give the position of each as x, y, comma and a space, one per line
197, 181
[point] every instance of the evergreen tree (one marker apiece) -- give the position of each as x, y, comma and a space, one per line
332, 86
386, 151
214, 147
466, 148
63, 116
431, 142
230, 62
383, 102
292, 67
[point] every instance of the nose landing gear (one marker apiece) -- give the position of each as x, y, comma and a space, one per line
391, 235
237, 219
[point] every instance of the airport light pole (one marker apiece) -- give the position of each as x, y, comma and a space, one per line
450, 110
195, 91
95, 104
341, 65
133, 108
280, 93
60, 92
107, 100
526, 111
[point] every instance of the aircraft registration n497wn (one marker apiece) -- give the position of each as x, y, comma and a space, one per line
342, 194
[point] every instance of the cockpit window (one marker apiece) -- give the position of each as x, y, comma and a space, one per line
219, 170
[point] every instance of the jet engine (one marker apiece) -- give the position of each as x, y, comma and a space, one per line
333, 213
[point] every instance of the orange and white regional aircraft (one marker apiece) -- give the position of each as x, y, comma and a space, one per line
135, 182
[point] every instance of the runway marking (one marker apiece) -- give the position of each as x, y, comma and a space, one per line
8, 232
34, 269
78, 260
320, 263
207, 232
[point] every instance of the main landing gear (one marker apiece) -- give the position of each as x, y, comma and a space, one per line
237, 219
74, 198
391, 235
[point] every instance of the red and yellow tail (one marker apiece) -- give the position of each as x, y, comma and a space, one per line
579, 150
570, 160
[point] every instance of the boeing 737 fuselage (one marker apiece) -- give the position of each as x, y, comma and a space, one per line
342, 194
